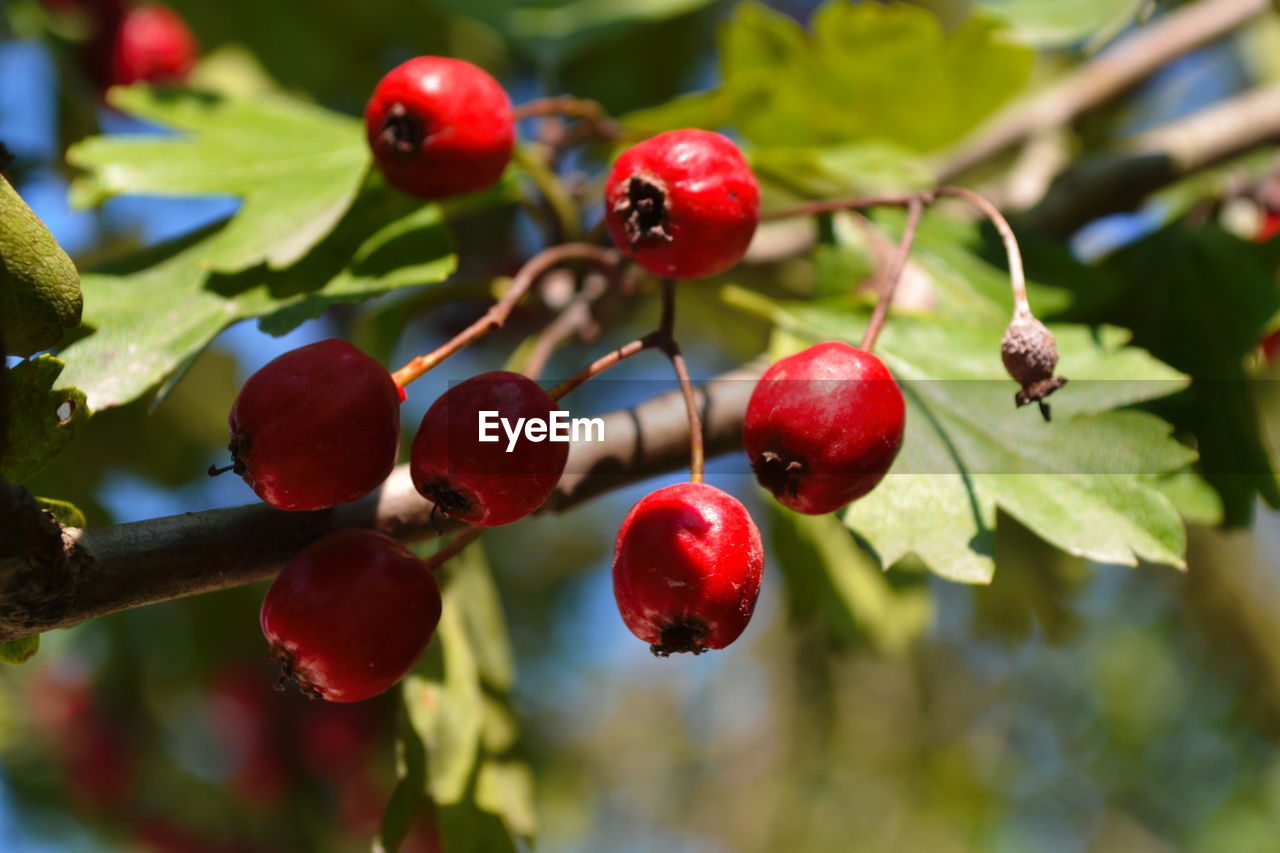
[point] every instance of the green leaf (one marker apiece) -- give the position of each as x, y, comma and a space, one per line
67, 514
471, 583
1081, 482
409, 796
864, 73
446, 709
19, 651
296, 167
39, 286
505, 788
558, 30
1053, 23
833, 583
1200, 298
43, 418
151, 313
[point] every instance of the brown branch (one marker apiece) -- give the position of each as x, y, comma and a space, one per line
1120, 181
109, 569
1104, 78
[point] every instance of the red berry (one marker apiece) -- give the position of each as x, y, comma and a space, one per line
316, 427
440, 127
349, 616
480, 482
683, 204
153, 44
686, 569
823, 426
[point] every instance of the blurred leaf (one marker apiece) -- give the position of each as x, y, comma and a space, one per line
866, 168
19, 651
1200, 299
833, 582
409, 795
505, 788
867, 72
42, 419
471, 583
1195, 499
151, 312
1053, 23
1076, 482
296, 167
556, 30
446, 710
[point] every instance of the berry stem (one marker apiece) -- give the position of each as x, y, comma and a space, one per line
447, 552
567, 106
496, 316
1017, 277
915, 208
697, 454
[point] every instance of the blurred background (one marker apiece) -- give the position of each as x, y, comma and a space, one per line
1066, 707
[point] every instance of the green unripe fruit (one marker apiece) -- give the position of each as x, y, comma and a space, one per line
39, 286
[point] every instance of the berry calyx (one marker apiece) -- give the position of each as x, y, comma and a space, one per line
440, 127
1030, 354
350, 614
823, 426
686, 569
316, 427
683, 204
153, 44
487, 483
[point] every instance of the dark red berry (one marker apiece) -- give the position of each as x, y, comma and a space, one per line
440, 127
152, 45
823, 426
686, 569
683, 204
349, 616
316, 427
487, 482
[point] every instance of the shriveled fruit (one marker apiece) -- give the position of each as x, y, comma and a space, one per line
686, 569
440, 127
316, 427
350, 614
683, 204
487, 482
823, 426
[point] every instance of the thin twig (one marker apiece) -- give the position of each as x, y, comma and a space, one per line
915, 209
454, 547
605, 259
589, 112
697, 454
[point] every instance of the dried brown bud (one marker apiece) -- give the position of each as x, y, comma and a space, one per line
1030, 355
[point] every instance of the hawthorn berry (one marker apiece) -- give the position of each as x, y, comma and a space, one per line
440, 127
350, 614
686, 569
480, 482
823, 426
153, 44
316, 427
683, 204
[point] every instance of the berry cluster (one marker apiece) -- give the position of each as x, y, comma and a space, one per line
131, 44
319, 426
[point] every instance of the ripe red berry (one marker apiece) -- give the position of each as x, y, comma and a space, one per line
683, 204
152, 44
480, 482
349, 616
316, 427
440, 127
823, 426
686, 569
